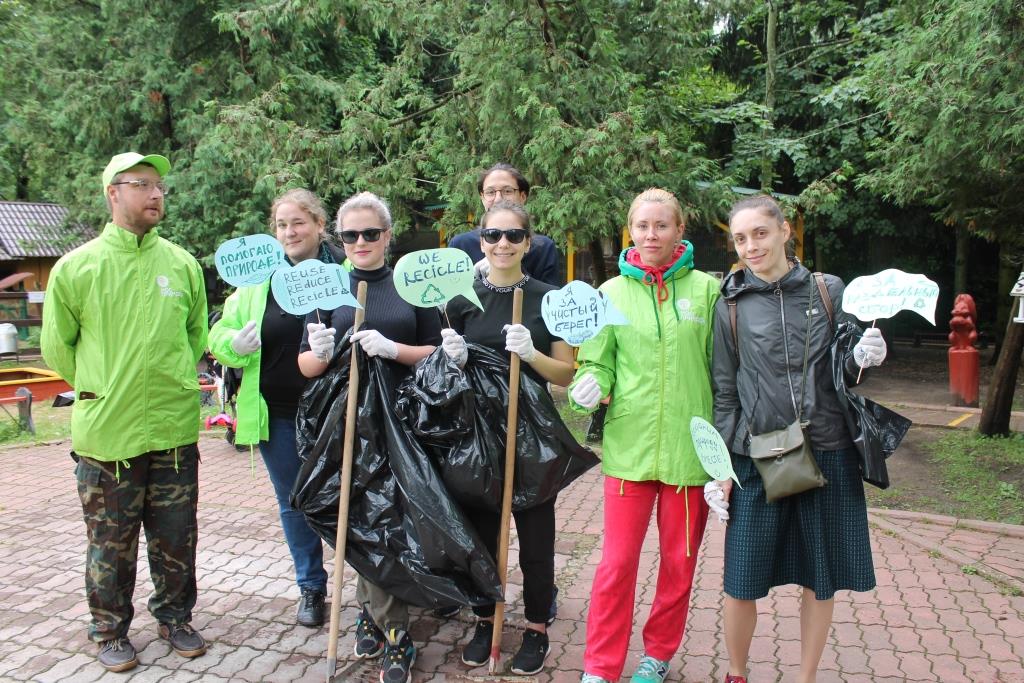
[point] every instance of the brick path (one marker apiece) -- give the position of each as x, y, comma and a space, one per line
943, 610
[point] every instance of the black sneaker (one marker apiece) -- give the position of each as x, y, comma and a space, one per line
532, 653
553, 612
184, 639
311, 608
369, 638
445, 612
478, 649
117, 655
399, 656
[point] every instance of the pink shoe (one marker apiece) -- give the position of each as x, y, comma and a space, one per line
729, 678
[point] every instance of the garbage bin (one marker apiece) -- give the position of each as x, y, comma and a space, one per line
8, 338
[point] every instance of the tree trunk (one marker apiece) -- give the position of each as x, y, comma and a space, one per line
770, 34
1008, 269
995, 414
597, 258
963, 242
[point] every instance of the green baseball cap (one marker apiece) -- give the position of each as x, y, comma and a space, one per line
122, 162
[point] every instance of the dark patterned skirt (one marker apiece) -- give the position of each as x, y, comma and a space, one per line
818, 539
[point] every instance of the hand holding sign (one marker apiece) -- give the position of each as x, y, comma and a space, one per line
431, 277
711, 450
885, 294
249, 260
310, 285
577, 312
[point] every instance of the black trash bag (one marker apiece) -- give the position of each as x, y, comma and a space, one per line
460, 417
405, 534
876, 430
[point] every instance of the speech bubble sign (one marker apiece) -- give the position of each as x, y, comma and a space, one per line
431, 277
885, 294
711, 450
310, 285
248, 260
577, 312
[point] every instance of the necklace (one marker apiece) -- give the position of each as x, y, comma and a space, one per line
505, 290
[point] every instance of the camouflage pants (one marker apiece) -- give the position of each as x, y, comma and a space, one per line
159, 491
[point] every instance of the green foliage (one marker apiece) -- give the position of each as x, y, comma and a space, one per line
952, 89
984, 475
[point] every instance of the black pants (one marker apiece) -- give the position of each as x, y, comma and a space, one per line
536, 530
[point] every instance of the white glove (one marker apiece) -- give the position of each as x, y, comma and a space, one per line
519, 341
586, 392
454, 344
714, 496
870, 350
247, 340
321, 340
482, 268
376, 344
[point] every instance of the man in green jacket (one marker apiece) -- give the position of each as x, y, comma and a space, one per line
125, 323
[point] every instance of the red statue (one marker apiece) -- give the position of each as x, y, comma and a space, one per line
963, 323
963, 357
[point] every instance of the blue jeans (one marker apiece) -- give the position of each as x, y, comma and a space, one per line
282, 461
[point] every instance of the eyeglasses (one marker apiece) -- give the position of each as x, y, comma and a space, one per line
505, 192
368, 235
513, 235
144, 185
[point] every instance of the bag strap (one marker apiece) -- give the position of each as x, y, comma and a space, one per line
807, 344
826, 299
732, 322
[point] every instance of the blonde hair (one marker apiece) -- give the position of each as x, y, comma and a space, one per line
305, 200
365, 200
655, 195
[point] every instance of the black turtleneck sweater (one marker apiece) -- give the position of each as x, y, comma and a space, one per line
386, 312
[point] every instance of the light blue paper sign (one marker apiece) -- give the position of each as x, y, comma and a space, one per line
248, 260
577, 312
431, 277
713, 454
310, 285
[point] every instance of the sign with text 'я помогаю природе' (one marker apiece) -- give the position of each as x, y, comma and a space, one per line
249, 260
432, 277
711, 450
577, 312
312, 285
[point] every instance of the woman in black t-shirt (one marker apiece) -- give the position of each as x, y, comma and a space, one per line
504, 240
393, 330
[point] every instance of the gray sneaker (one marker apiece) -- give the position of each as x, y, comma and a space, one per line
117, 655
184, 639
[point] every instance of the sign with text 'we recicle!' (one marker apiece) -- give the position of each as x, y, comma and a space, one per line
431, 277
249, 260
310, 285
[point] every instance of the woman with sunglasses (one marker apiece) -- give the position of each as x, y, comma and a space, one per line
504, 240
255, 334
657, 371
393, 330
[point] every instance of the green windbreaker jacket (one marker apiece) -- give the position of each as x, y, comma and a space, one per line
658, 371
124, 323
245, 304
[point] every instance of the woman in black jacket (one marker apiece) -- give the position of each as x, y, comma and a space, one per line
817, 539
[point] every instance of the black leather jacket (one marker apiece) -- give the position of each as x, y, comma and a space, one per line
756, 390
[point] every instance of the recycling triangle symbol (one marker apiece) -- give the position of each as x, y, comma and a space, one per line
432, 296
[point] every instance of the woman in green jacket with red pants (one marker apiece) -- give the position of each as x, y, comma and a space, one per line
656, 371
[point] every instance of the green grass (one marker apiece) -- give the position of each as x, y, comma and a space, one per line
982, 476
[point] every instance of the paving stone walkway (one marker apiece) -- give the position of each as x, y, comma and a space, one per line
948, 606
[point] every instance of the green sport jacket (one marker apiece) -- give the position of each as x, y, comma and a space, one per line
124, 322
658, 371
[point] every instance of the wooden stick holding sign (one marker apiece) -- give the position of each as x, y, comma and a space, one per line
344, 490
506, 496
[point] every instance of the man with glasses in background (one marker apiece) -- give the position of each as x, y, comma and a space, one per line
504, 182
125, 324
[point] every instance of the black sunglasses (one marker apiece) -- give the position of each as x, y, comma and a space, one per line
352, 236
513, 235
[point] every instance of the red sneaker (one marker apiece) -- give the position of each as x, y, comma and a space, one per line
729, 678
